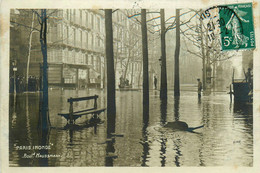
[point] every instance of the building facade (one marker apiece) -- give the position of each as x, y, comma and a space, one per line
75, 40
76, 46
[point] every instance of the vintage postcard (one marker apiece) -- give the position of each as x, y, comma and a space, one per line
90, 85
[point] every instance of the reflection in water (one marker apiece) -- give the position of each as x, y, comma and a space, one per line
28, 123
71, 132
82, 146
163, 151
110, 150
178, 141
201, 160
176, 108
14, 105
43, 129
163, 111
199, 99
178, 152
145, 142
111, 126
243, 108
43, 141
44, 117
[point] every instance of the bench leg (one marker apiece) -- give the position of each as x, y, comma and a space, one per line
71, 113
95, 118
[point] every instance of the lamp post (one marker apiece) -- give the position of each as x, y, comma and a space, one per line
14, 70
28, 59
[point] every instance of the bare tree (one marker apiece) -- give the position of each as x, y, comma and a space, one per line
177, 54
163, 91
145, 58
111, 104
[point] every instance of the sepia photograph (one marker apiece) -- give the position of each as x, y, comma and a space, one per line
139, 86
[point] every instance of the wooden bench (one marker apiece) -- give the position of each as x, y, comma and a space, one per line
72, 116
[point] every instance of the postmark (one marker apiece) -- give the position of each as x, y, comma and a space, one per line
232, 24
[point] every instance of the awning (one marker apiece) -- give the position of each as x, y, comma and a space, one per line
78, 66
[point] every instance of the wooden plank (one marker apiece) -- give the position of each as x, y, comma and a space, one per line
82, 98
83, 112
98, 111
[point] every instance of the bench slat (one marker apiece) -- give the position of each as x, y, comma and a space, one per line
90, 112
78, 114
84, 110
82, 98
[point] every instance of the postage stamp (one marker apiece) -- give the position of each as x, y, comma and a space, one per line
234, 25
237, 30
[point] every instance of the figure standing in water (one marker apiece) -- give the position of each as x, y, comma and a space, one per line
199, 87
155, 82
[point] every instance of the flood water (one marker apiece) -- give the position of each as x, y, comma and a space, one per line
225, 140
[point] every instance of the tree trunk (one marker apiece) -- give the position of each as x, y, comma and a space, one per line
177, 54
163, 91
44, 119
139, 76
127, 63
132, 73
111, 104
117, 52
203, 56
207, 59
145, 58
214, 76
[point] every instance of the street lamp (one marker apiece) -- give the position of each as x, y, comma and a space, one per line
14, 70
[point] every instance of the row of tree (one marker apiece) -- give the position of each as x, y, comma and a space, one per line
176, 24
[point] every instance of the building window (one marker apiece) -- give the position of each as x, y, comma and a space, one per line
98, 24
92, 21
75, 36
92, 41
80, 17
59, 35
71, 15
86, 58
80, 38
86, 18
68, 35
74, 15
98, 42
87, 39
81, 58
68, 14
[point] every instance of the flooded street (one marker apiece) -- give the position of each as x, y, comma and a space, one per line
225, 140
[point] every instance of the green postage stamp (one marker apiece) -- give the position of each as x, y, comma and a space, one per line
237, 26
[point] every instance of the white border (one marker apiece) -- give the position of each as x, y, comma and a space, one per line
5, 5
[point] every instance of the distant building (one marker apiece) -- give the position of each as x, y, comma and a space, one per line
128, 55
76, 52
75, 41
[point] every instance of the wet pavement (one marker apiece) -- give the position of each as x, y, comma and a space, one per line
225, 140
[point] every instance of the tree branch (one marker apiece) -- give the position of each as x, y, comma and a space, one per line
24, 26
193, 53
